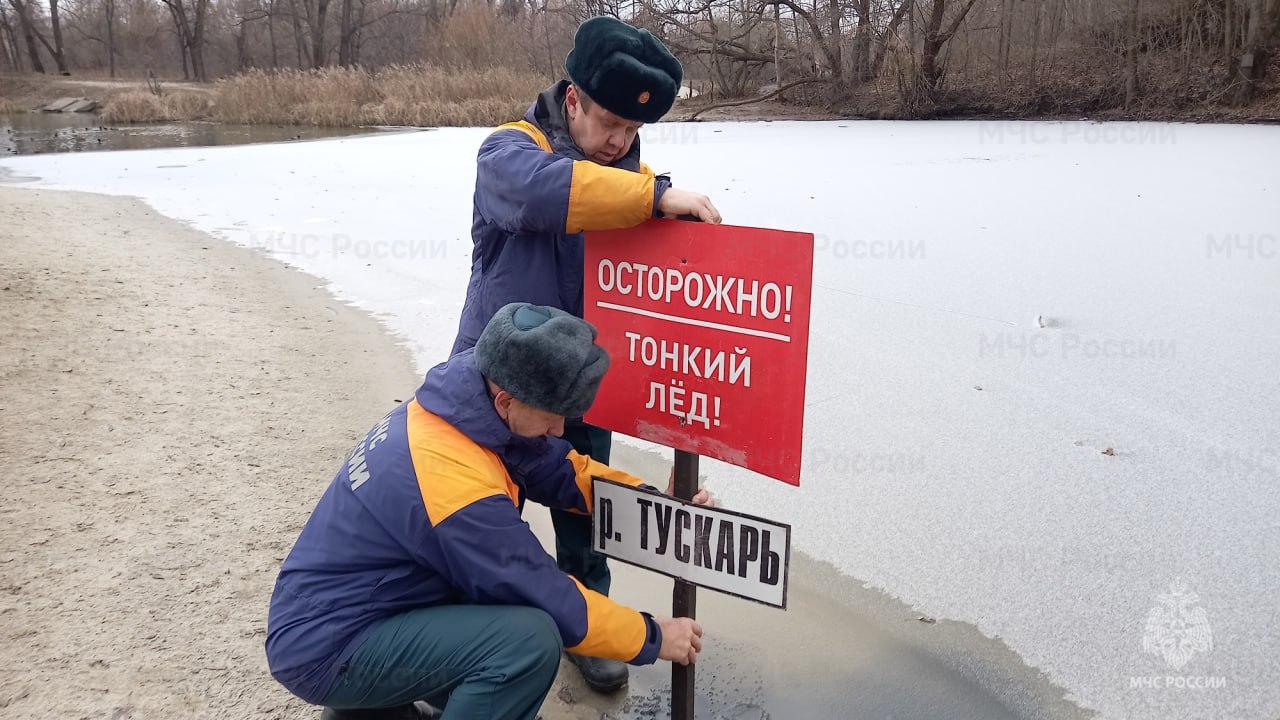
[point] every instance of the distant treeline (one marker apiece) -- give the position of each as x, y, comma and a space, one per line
887, 57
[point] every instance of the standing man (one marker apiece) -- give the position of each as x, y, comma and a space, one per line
573, 164
415, 580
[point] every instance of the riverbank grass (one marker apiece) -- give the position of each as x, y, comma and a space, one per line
413, 95
136, 106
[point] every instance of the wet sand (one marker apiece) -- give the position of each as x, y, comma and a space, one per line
839, 650
176, 405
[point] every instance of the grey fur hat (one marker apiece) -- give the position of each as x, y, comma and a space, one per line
544, 356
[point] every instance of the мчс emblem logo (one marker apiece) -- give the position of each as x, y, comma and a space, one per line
1177, 628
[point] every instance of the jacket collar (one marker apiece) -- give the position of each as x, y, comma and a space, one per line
457, 392
548, 113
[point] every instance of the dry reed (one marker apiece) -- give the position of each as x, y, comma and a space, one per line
188, 105
398, 95
136, 106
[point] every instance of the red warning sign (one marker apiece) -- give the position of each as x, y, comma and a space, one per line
707, 327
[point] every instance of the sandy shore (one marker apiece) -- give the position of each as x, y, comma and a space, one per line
177, 404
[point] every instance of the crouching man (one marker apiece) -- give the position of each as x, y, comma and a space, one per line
415, 579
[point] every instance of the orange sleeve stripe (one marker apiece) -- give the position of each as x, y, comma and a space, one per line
603, 198
585, 468
452, 471
613, 631
531, 130
600, 198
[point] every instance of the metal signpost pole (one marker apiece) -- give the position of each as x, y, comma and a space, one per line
684, 599
689, 311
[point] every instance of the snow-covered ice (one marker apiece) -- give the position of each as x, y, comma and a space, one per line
1044, 382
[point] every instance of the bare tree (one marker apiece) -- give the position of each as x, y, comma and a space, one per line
1012, 55
317, 11
96, 24
938, 31
1261, 35
189, 22
822, 38
299, 37
27, 13
29, 33
346, 34
9, 41
109, 15
1131, 55
59, 55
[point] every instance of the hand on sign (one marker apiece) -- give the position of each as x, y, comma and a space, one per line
681, 640
702, 497
676, 202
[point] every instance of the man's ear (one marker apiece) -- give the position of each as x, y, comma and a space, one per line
572, 103
502, 403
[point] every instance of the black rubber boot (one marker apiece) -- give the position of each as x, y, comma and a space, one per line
602, 675
416, 711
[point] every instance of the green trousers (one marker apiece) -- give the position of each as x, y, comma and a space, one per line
478, 662
573, 532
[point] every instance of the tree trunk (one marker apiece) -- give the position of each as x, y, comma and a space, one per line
109, 8
9, 41
930, 71
357, 34
715, 56
299, 38
833, 39
911, 25
244, 58
197, 40
59, 55
1006, 38
271, 34
1055, 32
345, 33
795, 25
777, 46
28, 34
860, 68
546, 33
935, 38
1255, 53
1229, 33
318, 58
182, 29
883, 38
1131, 57
1035, 42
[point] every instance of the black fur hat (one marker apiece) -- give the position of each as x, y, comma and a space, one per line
544, 357
628, 71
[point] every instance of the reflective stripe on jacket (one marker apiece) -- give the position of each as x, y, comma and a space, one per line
536, 192
423, 512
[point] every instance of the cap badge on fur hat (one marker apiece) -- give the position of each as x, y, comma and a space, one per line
625, 69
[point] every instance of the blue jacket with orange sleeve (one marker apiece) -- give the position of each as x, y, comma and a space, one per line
424, 512
536, 192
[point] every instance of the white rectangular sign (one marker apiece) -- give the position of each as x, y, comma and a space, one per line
722, 550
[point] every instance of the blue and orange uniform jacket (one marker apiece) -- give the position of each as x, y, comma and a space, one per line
536, 192
423, 512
